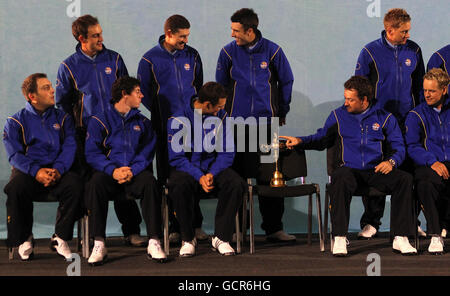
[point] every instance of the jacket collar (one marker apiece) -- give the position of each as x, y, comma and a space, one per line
32, 110
83, 55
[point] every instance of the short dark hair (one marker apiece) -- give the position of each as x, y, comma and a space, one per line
362, 85
80, 25
124, 83
247, 18
29, 85
211, 92
176, 22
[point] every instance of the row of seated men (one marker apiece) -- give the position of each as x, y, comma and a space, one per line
41, 147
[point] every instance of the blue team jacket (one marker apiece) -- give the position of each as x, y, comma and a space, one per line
440, 59
208, 148
83, 86
114, 141
259, 79
169, 81
428, 134
363, 145
33, 141
395, 73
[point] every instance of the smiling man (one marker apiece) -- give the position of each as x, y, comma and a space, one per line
40, 144
395, 67
171, 73
427, 139
364, 131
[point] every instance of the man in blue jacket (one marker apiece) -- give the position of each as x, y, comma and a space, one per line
40, 144
259, 79
440, 59
120, 146
201, 152
83, 88
428, 144
394, 65
364, 131
171, 73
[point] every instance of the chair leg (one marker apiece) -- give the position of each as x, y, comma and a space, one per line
309, 219
165, 215
319, 220
325, 213
244, 218
10, 253
79, 234
252, 230
238, 235
85, 235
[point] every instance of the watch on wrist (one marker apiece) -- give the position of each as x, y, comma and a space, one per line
392, 162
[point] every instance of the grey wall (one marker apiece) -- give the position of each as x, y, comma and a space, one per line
321, 38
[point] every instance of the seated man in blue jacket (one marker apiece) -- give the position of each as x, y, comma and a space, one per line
201, 152
40, 144
372, 148
427, 140
120, 146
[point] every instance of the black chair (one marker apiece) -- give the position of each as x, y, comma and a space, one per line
333, 162
292, 164
82, 228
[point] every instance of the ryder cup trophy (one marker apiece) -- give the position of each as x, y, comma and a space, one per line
277, 178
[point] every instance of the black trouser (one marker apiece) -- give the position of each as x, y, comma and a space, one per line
246, 164
162, 167
374, 206
185, 192
19, 205
433, 192
102, 187
127, 211
344, 182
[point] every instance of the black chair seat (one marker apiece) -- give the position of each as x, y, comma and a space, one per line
287, 191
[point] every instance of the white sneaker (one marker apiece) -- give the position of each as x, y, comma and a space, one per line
420, 232
136, 240
436, 246
367, 232
26, 249
222, 247
188, 248
280, 236
340, 246
200, 234
99, 254
61, 247
155, 252
174, 237
401, 245
444, 233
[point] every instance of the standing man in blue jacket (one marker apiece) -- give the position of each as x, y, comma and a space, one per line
259, 79
120, 146
201, 152
428, 144
440, 59
171, 74
394, 65
363, 130
40, 144
83, 88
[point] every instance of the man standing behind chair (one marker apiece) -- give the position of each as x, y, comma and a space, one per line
83, 88
201, 152
171, 74
394, 65
259, 79
120, 146
363, 130
40, 144
427, 140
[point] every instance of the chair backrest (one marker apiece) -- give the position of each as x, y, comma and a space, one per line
334, 159
291, 163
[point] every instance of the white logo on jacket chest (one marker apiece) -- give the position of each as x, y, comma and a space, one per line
137, 128
108, 70
187, 67
263, 65
408, 62
56, 126
376, 126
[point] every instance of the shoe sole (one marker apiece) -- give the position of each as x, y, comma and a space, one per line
340, 255
436, 253
160, 260
99, 263
404, 254
224, 254
186, 255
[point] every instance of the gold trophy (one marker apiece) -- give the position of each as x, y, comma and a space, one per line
277, 178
